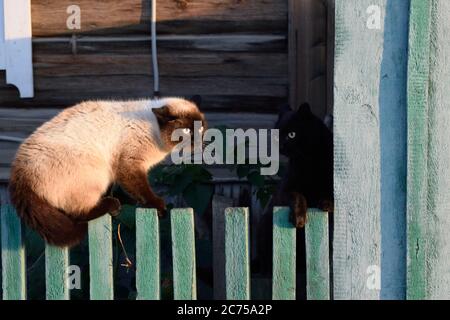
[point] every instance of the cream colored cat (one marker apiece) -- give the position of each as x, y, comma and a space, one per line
62, 171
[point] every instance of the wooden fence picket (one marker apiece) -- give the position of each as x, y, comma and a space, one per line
56, 273
147, 255
317, 256
284, 255
101, 259
183, 252
13, 255
237, 268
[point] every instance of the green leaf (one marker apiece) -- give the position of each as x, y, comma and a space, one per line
182, 182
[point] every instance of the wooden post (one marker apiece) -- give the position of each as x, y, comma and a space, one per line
101, 259
357, 234
317, 256
284, 255
183, 252
428, 151
237, 266
56, 276
418, 82
13, 252
147, 255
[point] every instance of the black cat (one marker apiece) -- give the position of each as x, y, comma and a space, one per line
308, 181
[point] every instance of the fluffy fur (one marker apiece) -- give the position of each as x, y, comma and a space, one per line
62, 171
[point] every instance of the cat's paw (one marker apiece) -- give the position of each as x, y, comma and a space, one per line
326, 205
299, 210
158, 204
112, 206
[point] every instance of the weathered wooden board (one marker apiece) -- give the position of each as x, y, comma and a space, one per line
13, 251
237, 261
393, 142
56, 273
418, 92
147, 255
219, 204
101, 259
183, 252
172, 64
357, 234
317, 256
284, 255
234, 42
429, 151
174, 16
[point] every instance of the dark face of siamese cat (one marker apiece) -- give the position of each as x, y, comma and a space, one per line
171, 119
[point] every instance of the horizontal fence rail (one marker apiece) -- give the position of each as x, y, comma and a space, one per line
236, 247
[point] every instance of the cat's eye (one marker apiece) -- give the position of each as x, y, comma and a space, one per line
291, 135
186, 131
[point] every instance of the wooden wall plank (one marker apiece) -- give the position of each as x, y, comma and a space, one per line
237, 265
177, 16
147, 255
101, 259
428, 155
393, 142
418, 90
183, 252
284, 255
357, 234
439, 154
317, 256
13, 251
56, 273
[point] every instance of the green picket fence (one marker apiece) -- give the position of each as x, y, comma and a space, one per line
237, 257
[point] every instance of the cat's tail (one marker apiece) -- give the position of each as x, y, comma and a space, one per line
56, 227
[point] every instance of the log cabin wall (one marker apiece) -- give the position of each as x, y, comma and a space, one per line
233, 53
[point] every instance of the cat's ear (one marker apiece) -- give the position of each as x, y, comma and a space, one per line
197, 99
163, 114
304, 109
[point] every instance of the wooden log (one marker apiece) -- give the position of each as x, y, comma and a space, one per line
13, 251
56, 273
101, 259
172, 64
284, 255
235, 42
317, 256
357, 234
147, 255
219, 204
174, 17
183, 252
237, 265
